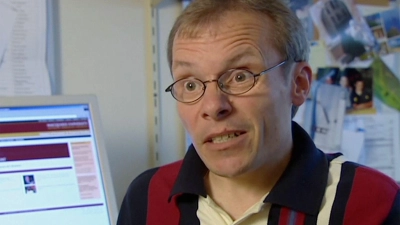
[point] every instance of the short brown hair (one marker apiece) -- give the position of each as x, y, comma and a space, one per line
290, 37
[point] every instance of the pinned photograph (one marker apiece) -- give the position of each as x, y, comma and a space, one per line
334, 76
356, 84
301, 9
344, 31
359, 83
328, 75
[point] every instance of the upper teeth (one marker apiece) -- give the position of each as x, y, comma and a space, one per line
224, 138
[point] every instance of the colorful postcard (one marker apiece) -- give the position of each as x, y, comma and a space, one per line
385, 26
386, 85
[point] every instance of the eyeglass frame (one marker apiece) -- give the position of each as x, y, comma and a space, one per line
170, 87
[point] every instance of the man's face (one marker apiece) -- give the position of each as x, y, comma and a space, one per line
236, 134
343, 81
359, 85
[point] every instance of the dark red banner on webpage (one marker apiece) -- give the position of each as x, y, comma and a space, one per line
23, 127
15, 153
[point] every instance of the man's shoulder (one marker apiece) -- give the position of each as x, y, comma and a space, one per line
164, 172
364, 174
374, 179
359, 189
134, 208
140, 186
363, 185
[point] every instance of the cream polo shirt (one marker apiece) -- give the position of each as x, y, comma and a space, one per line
209, 213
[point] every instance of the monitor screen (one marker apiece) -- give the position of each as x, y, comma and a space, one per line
53, 163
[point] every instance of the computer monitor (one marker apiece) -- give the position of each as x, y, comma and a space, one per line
53, 162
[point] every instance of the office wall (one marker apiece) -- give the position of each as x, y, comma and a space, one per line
171, 132
103, 52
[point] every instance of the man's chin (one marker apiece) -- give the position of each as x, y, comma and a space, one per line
228, 171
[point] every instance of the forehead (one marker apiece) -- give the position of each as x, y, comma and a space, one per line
212, 24
233, 31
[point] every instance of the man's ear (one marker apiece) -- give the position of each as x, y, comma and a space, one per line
301, 82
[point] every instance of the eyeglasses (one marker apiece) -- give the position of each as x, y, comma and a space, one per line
232, 82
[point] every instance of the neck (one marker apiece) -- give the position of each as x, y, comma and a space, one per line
247, 188
260, 180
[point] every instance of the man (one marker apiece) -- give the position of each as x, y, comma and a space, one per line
361, 97
240, 70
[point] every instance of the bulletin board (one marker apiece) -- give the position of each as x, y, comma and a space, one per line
354, 105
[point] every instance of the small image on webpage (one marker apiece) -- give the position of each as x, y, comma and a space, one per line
29, 181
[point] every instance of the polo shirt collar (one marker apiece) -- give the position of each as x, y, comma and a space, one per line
301, 186
190, 178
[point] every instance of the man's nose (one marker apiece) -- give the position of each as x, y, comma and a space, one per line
216, 104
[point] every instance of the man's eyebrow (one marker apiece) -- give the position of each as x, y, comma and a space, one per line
180, 63
241, 56
235, 59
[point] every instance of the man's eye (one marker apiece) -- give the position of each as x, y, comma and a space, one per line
240, 77
190, 86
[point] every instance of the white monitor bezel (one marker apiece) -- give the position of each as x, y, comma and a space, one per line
91, 100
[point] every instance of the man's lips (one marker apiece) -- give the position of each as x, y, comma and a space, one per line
218, 137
